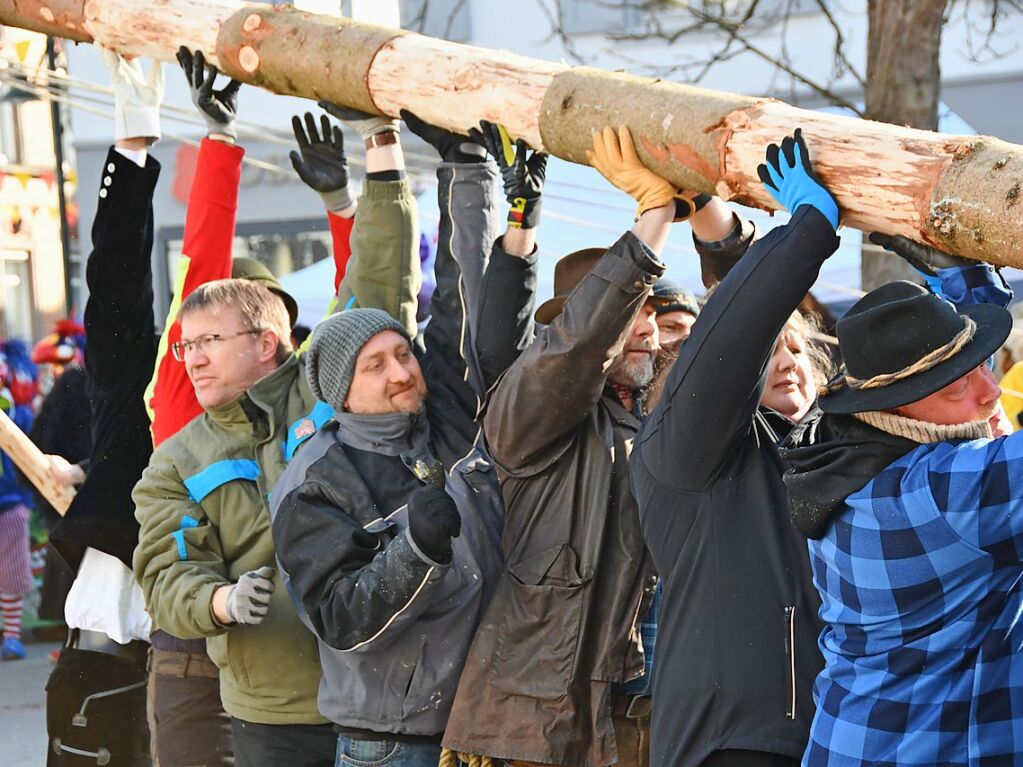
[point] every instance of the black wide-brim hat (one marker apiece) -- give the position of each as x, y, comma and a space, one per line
895, 326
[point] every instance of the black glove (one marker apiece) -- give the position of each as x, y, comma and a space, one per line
433, 520
322, 164
452, 147
523, 178
220, 108
923, 258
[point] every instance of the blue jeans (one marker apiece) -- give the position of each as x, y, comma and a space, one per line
352, 752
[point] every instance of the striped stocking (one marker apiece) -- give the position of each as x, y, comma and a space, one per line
11, 608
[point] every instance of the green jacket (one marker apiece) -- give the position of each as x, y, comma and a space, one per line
202, 502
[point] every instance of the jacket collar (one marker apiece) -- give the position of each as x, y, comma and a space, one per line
388, 434
266, 397
829, 458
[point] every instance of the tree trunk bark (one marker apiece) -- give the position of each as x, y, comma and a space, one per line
903, 88
958, 193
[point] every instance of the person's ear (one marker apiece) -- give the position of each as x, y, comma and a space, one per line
269, 342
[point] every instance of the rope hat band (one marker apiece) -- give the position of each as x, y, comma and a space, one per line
928, 361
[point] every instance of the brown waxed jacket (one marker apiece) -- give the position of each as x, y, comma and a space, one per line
562, 626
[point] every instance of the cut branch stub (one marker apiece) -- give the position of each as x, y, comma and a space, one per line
302, 54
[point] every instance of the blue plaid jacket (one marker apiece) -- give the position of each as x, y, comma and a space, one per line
919, 577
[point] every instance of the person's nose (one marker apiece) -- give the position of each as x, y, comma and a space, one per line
195, 357
989, 390
397, 372
785, 360
645, 327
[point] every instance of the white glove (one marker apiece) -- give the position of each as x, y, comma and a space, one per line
137, 96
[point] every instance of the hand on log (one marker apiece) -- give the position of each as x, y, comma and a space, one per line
523, 175
137, 96
366, 125
614, 155
321, 162
451, 146
923, 258
789, 178
218, 108
64, 474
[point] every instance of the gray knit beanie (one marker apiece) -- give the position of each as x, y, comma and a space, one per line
337, 341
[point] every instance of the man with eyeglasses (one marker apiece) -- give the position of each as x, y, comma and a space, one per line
205, 558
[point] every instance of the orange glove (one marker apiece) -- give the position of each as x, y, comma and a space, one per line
614, 155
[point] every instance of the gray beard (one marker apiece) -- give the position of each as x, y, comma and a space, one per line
635, 375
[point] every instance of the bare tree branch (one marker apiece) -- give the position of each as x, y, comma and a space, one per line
451, 18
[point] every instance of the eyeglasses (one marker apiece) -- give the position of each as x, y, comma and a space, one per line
205, 342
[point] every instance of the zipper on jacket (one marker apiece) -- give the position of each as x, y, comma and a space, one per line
790, 657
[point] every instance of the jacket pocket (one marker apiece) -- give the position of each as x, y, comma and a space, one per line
417, 695
538, 633
790, 662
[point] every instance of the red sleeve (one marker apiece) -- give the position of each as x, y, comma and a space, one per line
206, 255
341, 232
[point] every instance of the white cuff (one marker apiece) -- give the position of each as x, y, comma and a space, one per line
137, 156
137, 121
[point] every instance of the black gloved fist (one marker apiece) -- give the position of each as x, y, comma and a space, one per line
923, 258
219, 108
452, 147
523, 177
433, 520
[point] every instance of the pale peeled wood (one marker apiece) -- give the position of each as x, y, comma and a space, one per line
459, 85
33, 464
958, 193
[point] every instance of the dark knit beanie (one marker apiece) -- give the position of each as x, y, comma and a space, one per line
672, 297
337, 341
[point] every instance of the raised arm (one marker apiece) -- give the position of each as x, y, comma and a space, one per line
208, 238
119, 325
467, 201
721, 238
321, 163
715, 385
956, 279
383, 271
549, 390
509, 285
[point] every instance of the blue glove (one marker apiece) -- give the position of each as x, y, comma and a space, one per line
789, 178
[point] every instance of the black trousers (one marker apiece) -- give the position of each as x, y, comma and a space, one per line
283, 745
739, 758
96, 710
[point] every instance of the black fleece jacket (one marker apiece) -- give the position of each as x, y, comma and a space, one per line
737, 635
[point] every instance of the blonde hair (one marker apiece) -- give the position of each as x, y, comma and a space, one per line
810, 327
257, 307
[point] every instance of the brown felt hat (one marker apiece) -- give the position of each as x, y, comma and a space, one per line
245, 268
569, 272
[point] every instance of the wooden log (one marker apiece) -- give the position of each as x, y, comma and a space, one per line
959, 193
33, 464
